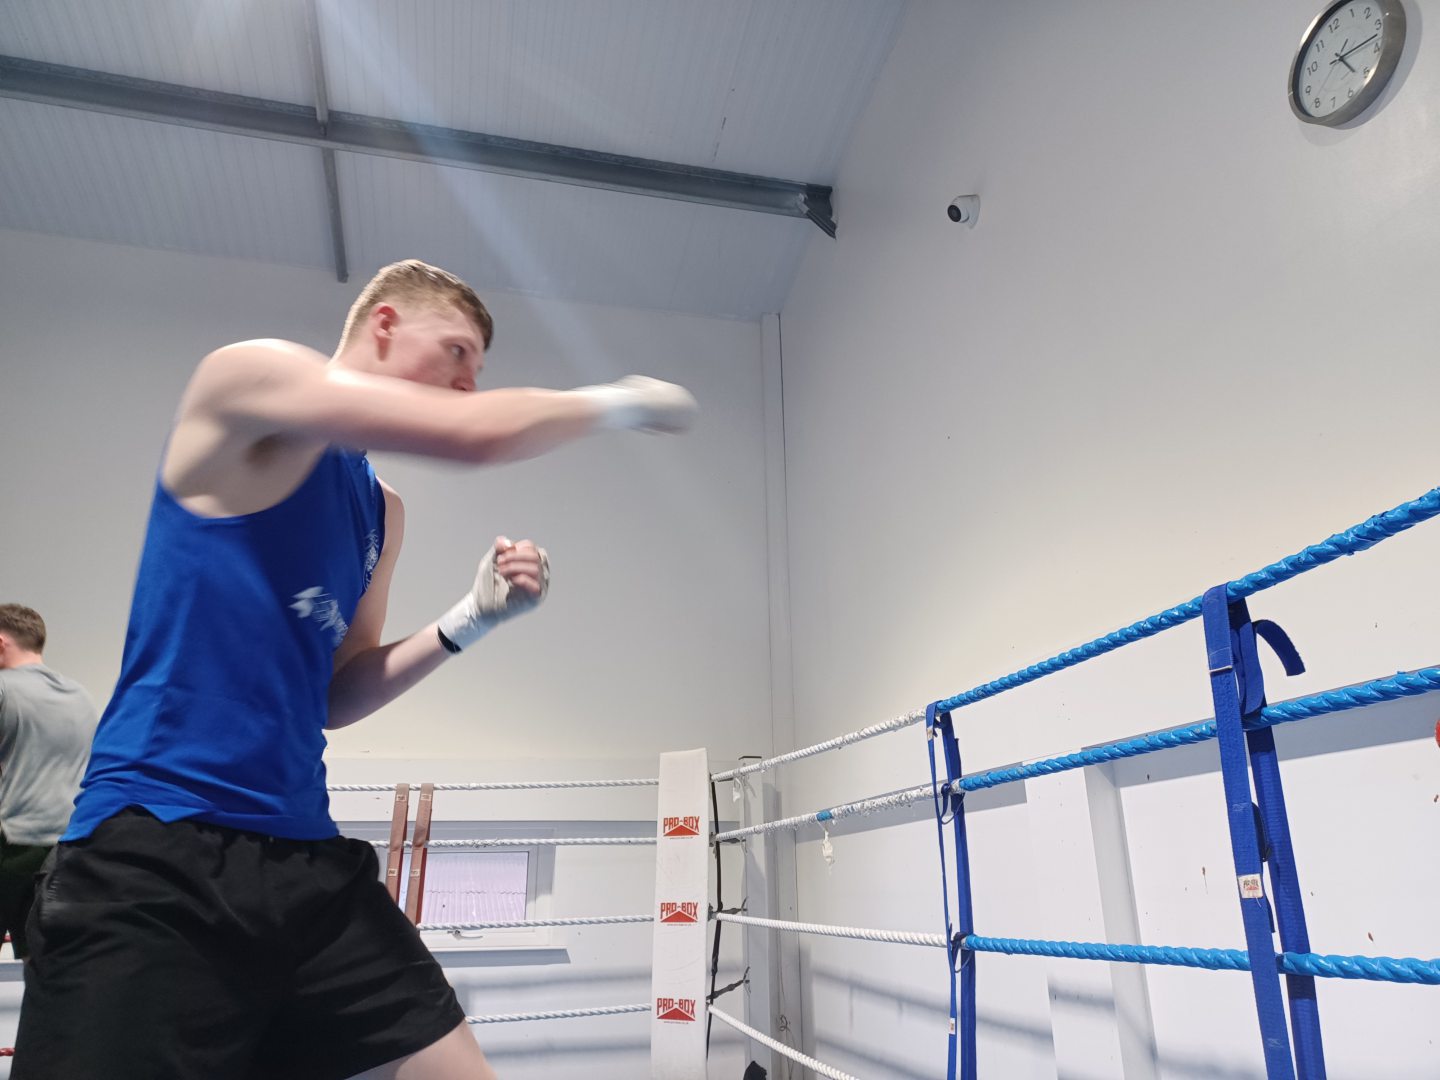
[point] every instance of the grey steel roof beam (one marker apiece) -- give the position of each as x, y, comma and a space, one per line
327, 154
337, 223
121, 95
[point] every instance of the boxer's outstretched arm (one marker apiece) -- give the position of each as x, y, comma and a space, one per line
258, 389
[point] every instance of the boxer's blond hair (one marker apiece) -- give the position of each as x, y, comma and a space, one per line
414, 282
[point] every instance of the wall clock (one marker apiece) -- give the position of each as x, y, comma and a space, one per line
1345, 59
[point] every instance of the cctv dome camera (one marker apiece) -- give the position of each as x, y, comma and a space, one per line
964, 209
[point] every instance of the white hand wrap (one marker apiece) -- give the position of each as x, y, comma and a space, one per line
490, 602
640, 403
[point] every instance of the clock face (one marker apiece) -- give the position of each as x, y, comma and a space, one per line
1345, 60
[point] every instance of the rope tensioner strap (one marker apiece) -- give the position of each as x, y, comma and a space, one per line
949, 802
415, 891
1237, 688
399, 824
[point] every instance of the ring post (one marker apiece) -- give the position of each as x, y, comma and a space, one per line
1280, 854
682, 894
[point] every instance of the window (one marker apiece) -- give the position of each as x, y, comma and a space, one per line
510, 884
472, 886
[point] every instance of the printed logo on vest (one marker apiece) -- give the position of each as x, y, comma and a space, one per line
315, 603
681, 1010
681, 826
372, 555
686, 911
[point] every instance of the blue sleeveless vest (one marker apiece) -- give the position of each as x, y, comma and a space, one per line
220, 709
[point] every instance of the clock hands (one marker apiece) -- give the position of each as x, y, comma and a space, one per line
1339, 57
1362, 44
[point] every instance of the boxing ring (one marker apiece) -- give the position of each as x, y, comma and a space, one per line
1267, 885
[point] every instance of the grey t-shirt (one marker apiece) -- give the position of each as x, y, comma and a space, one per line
46, 724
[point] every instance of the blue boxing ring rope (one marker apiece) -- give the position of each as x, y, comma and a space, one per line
1352, 541
1259, 829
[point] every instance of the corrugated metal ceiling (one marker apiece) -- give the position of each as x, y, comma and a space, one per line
770, 87
239, 46
97, 177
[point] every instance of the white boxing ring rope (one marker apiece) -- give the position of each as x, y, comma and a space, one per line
780, 1048
559, 1014
506, 785
542, 841
892, 801
876, 804
533, 841
837, 743
535, 924
890, 937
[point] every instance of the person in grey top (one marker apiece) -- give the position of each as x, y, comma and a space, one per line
46, 724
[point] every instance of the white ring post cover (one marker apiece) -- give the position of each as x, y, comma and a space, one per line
682, 891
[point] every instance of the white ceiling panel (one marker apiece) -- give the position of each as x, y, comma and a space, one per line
252, 47
803, 74
764, 86
770, 87
501, 232
109, 178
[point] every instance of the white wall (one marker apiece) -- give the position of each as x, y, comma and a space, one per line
1188, 336
654, 636
654, 633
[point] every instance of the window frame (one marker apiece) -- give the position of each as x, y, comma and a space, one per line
539, 883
